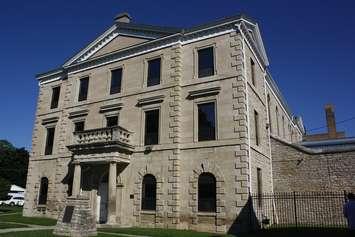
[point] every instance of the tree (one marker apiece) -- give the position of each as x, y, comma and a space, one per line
13, 166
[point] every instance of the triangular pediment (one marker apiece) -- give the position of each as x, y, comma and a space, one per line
254, 34
120, 42
118, 37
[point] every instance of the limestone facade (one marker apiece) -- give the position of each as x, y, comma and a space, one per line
83, 164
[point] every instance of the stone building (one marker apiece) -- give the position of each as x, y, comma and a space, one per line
159, 126
321, 162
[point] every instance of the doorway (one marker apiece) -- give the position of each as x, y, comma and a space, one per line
102, 200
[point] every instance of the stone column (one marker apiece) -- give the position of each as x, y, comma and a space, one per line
76, 179
111, 215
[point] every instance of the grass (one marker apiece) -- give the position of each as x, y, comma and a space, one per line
11, 225
161, 232
298, 232
8, 209
289, 232
18, 218
42, 233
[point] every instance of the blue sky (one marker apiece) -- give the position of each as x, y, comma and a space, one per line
310, 44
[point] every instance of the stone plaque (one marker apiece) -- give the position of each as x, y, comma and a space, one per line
68, 214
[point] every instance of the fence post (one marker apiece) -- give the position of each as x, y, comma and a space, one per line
295, 207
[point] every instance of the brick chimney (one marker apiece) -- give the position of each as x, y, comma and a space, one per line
123, 18
329, 113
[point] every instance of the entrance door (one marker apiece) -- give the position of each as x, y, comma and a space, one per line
102, 199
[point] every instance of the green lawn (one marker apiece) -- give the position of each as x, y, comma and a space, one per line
41, 233
18, 218
8, 209
161, 232
174, 233
11, 225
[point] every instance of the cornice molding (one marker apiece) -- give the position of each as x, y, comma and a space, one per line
151, 100
204, 92
111, 107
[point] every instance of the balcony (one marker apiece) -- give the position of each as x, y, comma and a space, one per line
102, 140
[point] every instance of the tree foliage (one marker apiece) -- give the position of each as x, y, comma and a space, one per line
13, 166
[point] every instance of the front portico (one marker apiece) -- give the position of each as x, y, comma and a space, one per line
99, 156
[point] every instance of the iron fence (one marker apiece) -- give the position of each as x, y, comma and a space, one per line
298, 209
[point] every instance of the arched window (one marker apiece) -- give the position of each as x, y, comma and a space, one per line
149, 192
206, 193
43, 191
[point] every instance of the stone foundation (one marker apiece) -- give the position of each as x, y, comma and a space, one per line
76, 219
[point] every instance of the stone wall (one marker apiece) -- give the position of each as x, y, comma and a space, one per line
299, 169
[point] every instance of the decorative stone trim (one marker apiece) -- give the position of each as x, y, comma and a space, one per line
150, 100
220, 215
240, 117
174, 134
204, 92
80, 113
50, 120
112, 107
159, 212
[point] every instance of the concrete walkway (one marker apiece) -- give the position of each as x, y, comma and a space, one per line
121, 234
30, 228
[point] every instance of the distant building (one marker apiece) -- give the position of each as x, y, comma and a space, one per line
332, 132
16, 191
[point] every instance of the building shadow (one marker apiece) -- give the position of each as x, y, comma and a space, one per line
246, 221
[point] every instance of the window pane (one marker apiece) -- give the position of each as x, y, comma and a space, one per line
83, 90
206, 122
116, 78
49, 141
79, 126
153, 72
151, 127
42, 199
149, 187
55, 97
206, 193
112, 121
252, 68
256, 127
205, 62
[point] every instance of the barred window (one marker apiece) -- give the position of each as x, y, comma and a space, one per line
206, 193
43, 191
149, 193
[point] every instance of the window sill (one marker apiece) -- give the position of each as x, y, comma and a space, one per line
207, 214
150, 212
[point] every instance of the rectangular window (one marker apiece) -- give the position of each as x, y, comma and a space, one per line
112, 121
49, 141
55, 97
252, 71
153, 72
259, 185
205, 62
256, 127
151, 127
83, 89
116, 78
79, 126
206, 122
